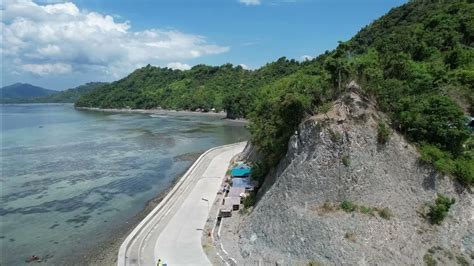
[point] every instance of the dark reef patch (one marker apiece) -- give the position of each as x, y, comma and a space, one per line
79, 220
190, 156
128, 186
54, 226
22, 194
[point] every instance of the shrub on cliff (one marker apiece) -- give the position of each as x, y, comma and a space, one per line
249, 201
440, 209
383, 133
461, 167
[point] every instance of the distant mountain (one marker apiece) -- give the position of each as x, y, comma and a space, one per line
66, 96
23, 91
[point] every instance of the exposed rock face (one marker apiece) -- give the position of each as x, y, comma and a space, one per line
336, 157
249, 153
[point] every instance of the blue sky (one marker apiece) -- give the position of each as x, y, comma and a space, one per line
60, 45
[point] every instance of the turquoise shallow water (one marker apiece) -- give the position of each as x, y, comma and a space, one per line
69, 177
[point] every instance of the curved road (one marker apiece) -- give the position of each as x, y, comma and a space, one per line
173, 230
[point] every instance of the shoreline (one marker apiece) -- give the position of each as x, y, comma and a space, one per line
222, 115
105, 252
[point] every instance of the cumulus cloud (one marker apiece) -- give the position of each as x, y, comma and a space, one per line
47, 69
60, 38
306, 58
250, 2
178, 65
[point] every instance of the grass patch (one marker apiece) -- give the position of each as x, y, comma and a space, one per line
348, 206
385, 213
429, 260
327, 207
366, 210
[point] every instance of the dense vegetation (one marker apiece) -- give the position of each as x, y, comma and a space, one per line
417, 61
66, 96
206, 88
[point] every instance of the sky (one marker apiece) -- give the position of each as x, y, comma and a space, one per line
62, 44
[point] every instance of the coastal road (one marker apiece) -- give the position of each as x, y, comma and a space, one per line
173, 230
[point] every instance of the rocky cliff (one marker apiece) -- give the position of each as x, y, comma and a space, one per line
335, 157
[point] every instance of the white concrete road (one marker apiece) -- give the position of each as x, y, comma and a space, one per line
173, 230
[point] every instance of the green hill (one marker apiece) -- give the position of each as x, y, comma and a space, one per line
23, 91
416, 62
225, 87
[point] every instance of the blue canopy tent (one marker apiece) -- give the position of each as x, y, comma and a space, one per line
241, 171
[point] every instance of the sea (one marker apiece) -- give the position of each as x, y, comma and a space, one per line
71, 178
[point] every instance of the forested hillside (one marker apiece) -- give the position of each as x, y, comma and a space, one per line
225, 87
416, 62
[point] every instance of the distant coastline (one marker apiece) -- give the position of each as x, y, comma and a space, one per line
160, 112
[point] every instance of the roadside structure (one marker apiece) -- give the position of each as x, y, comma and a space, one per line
236, 192
234, 202
225, 211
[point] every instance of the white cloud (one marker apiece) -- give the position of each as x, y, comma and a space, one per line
51, 1
250, 2
47, 69
178, 65
60, 38
244, 66
306, 57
